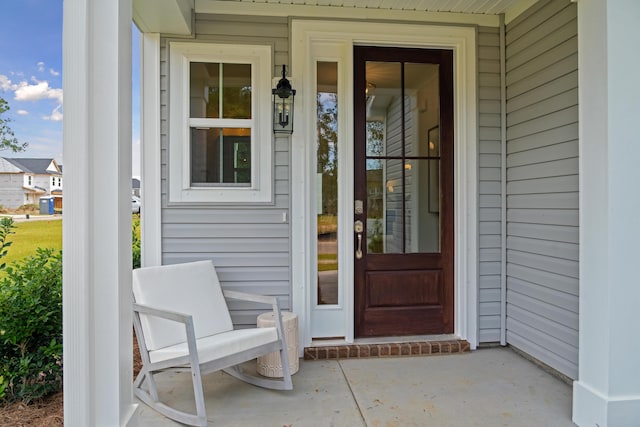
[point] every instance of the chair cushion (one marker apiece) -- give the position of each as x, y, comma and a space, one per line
217, 346
190, 288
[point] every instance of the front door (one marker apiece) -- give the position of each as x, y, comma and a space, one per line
403, 208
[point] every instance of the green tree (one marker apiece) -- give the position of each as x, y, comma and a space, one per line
327, 149
8, 141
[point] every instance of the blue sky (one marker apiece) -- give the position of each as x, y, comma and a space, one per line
31, 77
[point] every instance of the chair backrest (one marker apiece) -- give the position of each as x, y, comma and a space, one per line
190, 288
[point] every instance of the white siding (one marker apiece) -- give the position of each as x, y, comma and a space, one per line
11, 191
249, 244
542, 184
489, 185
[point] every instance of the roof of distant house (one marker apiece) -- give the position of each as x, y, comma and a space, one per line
35, 166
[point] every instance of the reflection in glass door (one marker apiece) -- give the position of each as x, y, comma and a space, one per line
327, 183
402, 158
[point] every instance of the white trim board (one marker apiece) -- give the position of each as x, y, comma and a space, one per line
151, 218
462, 40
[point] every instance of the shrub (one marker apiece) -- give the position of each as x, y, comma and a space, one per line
6, 228
135, 243
31, 327
28, 208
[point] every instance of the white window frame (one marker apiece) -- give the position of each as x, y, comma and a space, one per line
181, 54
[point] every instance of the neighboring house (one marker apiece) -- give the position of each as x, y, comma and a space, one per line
465, 168
135, 187
24, 180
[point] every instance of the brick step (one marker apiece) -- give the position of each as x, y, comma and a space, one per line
363, 351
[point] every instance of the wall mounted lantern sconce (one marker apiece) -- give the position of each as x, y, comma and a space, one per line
283, 96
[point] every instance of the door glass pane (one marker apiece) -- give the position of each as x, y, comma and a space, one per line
327, 181
384, 206
422, 105
422, 194
221, 157
384, 108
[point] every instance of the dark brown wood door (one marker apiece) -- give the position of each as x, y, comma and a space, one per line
403, 217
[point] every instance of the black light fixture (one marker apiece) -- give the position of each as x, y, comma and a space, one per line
283, 96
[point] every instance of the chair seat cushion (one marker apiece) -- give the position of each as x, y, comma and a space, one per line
220, 345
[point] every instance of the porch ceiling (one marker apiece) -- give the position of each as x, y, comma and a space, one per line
174, 16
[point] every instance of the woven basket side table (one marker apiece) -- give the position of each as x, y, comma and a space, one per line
270, 365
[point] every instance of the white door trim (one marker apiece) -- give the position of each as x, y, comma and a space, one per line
462, 40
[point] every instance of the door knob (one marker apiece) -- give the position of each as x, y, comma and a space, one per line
358, 227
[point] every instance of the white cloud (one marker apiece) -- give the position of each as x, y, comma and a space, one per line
36, 92
5, 83
56, 114
54, 72
22, 112
41, 66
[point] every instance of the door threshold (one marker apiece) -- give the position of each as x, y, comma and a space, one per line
363, 348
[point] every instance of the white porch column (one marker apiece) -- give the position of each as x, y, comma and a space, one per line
97, 213
607, 392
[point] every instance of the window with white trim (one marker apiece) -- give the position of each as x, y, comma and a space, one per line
220, 140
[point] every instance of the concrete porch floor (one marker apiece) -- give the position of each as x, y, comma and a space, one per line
487, 387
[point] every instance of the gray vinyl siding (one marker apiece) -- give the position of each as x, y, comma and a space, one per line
489, 185
249, 244
542, 184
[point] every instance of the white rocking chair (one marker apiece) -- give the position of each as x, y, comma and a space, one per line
182, 323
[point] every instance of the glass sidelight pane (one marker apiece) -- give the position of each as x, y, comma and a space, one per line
327, 181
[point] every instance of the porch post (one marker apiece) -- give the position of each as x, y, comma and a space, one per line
607, 392
97, 216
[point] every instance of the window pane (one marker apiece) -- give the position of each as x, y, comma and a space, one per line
220, 90
205, 90
236, 91
221, 157
327, 181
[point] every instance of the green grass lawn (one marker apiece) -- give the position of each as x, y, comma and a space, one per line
30, 235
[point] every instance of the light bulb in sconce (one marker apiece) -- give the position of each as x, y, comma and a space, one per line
370, 90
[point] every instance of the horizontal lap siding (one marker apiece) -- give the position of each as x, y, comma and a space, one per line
489, 184
250, 245
542, 184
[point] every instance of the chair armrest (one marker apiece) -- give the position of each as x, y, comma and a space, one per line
244, 296
165, 314
175, 316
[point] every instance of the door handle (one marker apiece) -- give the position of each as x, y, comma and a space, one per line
358, 227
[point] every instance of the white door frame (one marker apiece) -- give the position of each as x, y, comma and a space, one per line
462, 40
